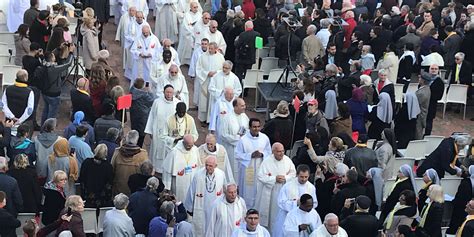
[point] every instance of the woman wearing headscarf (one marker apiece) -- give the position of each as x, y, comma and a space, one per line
463, 195
403, 213
358, 110
430, 177
54, 197
405, 120
385, 153
330, 107
79, 120
432, 213
343, 122
325, 181
405, 181
279, 128
44, 146
62, 159
380, 116
374, 184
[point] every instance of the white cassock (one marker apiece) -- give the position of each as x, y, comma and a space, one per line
155, 126
225, 217
141, 6
178, 127
268, 189
298, 217
260, 231
206, 63
179, 85
218, 83
123, 26
174, 55
204, 190
220, 109
186, 40
184, 6
248, 166
192, 73
158, 69
229, 134
215, 37
288, 198
199, 31
166, 25
222, 160
323, 232
179, 167
16, 10
146, 46
131, 33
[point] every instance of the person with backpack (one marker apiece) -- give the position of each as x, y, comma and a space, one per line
245, 46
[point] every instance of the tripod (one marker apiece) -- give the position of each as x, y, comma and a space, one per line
74, 72
288, 68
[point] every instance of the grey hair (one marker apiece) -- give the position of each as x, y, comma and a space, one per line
116, 92
22, 75
462, 139
228, 62
325, 23
460, 54
100, 152
230, 14
330, 216
411, 28
331, 67
146, 168
226, 186
132, 137
382, 72
312, 28
3, 163
406, 7
213, 44
112, 134
368, 47
166, 208
49, 125
152, 184
120, 201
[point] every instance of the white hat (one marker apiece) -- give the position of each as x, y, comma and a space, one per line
104, 54
396, 10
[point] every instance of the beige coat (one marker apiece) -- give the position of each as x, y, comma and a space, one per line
389, 62
90, 42
126, 161
424, 29
312, 47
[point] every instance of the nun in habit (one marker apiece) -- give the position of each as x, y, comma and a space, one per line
405, 120
430, 177
464, 194
380, 116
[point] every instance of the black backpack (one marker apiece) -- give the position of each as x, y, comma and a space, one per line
40, 78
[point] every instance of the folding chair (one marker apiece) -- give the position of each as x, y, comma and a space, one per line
415, 149
412, 87
274, 75
457, 94
263, 52
89, 217
432, 143
398, 162
450, 185
268, 64
398, 93
100, 224
251, 80
370, 143
9, 75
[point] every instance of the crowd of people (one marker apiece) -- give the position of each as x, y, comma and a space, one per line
348, 57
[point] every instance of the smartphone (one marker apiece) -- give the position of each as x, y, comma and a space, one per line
147, 84
72, 151
69, 211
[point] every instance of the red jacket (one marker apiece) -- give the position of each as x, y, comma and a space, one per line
348, 29
249, 9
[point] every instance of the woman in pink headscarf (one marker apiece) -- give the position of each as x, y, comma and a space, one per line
249, 9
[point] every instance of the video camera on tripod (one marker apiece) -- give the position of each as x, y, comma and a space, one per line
292, 22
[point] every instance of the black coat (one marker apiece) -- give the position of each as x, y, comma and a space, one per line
96, 182
281, 47
437, 90
378, 45
465, 73
101, 9
324, 193
468, 230
377, 125
8, 223
350, 190
245, 47
362, 158
360, 224
53, 204
406, 67
344, 86
263, 26
433, 219
300, 125
142, 208
422, 197
279, 129
389, 89
30, 190
392, 199
82, 102
464, 194
9, 185
440, 159
229, 37
466, 46
38, 33
405, 128
137, 182
364, 28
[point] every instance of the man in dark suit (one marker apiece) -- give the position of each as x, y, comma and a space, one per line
360, 222
467, 228
81, 101
245, 46
9, 185
7, 221
462, 70
345, 84
332, 56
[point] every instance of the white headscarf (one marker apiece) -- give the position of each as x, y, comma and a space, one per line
432, 175
375, 174
384, 108
471, 172
413, 106
408, 172
330, 111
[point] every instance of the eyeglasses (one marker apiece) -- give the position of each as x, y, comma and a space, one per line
226, 67
174, 72
207, 18
213, 27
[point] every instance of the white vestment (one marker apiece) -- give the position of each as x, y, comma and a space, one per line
179, 85
288, 198
221, 108
268, 189
146, 46
166, 24
218, 83
323, 232
16, 10
174, 55
206, 63
199, 31
179, 167
177, 128
215, 37
225, 217
158, 69
222, 160
186, 40
230, 131
141, 5
260, 231
123, 26
155, 126
204, 190
298, 217
249, 166
192, 73
131, 33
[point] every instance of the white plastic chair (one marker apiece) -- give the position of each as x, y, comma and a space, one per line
268, 64
4, 47
450, 185
90, 220
370, 143
274, 75
388, 187
23, 217
397, 162
100, 224
4, 60
412, 87
398, 93
457, 94
415, 149
7, 37
443, 99
295, 148
251, 80
432, 143
263, 52
9, 75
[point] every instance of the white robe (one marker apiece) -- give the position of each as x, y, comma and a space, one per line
268, 189
174, 55
323, 232
206, 63
222, 160
179, 167
131, 33
199, 198
170, 133
179, 85
158, 69
229, 129
123, 26
199, 31
166, 24
218, 83
221, 108
16, 10
186, 40
141, 5
215, 37
146, 46
298, 217
243, 232
225, 217
192, 73
248, 166
155, 126
288, 198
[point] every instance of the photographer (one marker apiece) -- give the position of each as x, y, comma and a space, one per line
51, 72
30, 62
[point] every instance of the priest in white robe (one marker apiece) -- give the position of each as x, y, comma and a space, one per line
144, 51
130, 35
207, 185
127, 26
275, 170
330, 228
141, 5
223, 79
231, 129
200, 29
192, 68
303, 220
186, 41
156, 124
207, 66
251, 227
177, 80
212, 148
16, 10
160, 68
221, 108
252, 148
214, 35
166, 24
179, 167
166, 44
179, 125
289, 196
227, 213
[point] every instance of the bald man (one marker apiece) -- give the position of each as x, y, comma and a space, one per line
18, 100
212, 148
186, 41
200, 28
145, 51
221, 108
245, 47
175, 78
81, 100
214, 35
126, 26
205, 188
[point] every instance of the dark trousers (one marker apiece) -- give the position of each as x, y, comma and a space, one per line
241, 70
429, 126
141, 139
